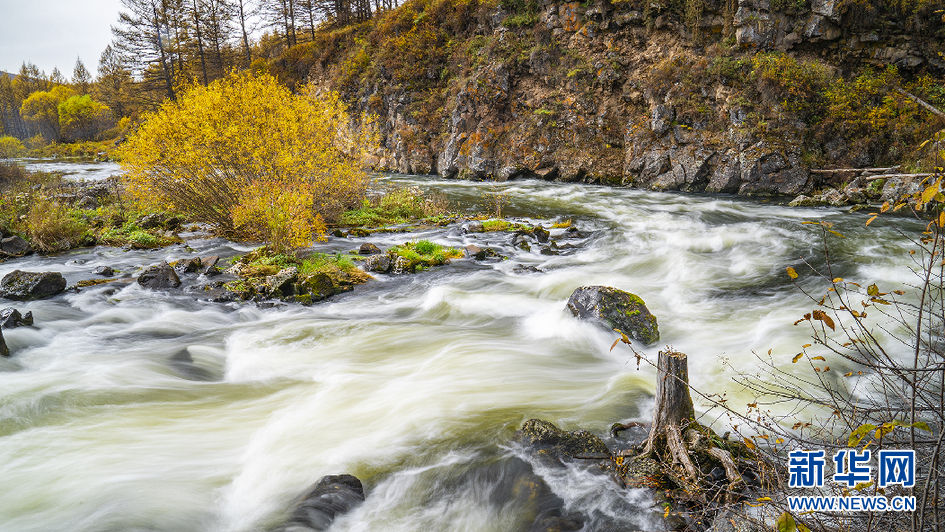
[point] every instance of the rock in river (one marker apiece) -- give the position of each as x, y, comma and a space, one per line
160, 277
332, 496
23, 286
11, 318
4, 350
546, 436
15, 246
615, 309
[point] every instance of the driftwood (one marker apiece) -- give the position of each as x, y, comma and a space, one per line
898, 176
921, 102
858, 170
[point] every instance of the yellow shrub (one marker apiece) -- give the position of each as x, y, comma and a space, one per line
280, 213
224, 150
11, 147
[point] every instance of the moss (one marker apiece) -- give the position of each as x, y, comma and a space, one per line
423, 254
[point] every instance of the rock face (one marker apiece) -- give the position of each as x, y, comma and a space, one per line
11, 318
332, 496
24, 286
615, 309
159, 277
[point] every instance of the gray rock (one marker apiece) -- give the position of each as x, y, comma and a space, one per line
615, 309
280, 284
368, 248
15, 246
331, 497
159, 277
401, 266
24, 286
10, 318
188, 265
544, 435
209, 265
661, 119
474, 226
378, 263
4, 350
105, 271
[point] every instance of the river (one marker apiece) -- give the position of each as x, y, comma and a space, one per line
127, 409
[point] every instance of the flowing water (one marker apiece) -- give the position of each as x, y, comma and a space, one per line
128, 409
75, 169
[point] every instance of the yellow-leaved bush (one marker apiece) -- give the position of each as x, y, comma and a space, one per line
247, 156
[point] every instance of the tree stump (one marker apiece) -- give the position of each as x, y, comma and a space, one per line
674, 410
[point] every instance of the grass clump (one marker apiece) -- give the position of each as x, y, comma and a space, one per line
424, 254
489, 226
398, 205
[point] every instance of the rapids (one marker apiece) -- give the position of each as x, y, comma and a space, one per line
126, 409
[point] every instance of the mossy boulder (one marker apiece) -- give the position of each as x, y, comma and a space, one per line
545, 436
24, 286
615, 309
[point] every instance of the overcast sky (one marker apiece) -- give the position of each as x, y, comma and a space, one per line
52, 33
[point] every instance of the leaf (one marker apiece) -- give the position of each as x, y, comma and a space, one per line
791, 272
857, 435
871, 220
750, 444
819, 358
666, 512
872, 290
822, 316
796, 358
786, 523
612, 346
764, 499
941, 219
929, 193
922, 425
838, 280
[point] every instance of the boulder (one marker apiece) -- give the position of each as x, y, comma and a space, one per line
24, 286
105, 271
281, 284
4, 350
188, 265
331, 497
368, 248
11, 318
615, 309
378, 263
15, 246
545, 436
209, 265
159, 277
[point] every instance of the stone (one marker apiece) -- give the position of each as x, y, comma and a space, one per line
10, 318
661, 119
209, 265
541, 234
615, 309
546, 436
24, 286
317, 287
188, 265
4, 350
159, 277
105, 271
473, 227
401, 266
332, 496
378, 263
15, 246
281, 284
368, 248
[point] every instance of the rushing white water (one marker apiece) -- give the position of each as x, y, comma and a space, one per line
77, 169
127, 409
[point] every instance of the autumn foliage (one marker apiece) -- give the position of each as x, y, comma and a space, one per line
250, 158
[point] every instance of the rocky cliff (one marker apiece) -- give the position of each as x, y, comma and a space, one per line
696, 95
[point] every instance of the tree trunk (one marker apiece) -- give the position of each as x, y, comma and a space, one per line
673, 402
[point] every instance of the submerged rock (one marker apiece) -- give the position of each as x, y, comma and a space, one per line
615, 309
4, 350
332, 496
159, 277
24, 286
545, 436
15, 246
11, 318
368, 248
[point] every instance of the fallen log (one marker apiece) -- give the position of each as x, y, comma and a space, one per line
860, 170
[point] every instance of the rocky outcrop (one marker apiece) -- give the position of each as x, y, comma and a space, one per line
331, 497
159, 277
615, 309
572, 97
25, 286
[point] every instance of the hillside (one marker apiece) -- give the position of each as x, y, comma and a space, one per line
695, 95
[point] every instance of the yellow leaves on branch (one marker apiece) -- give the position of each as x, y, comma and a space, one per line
251, 158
